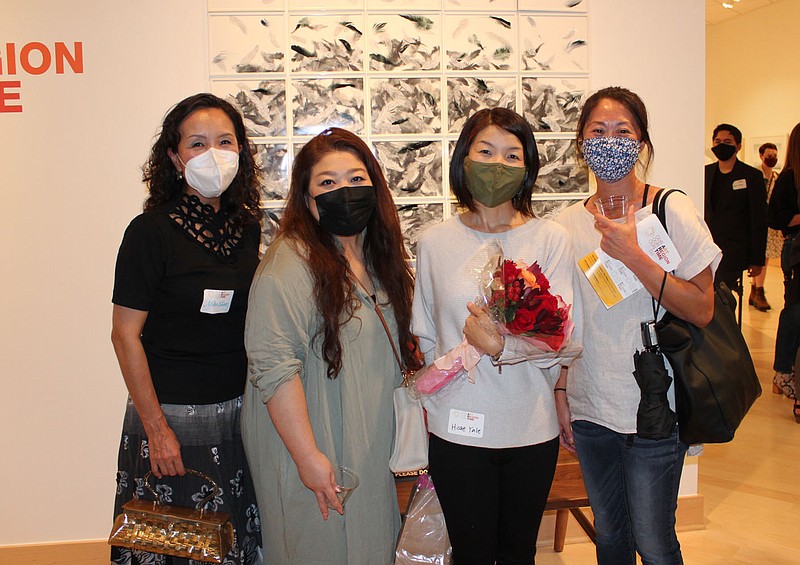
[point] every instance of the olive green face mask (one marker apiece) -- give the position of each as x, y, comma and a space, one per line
491, 184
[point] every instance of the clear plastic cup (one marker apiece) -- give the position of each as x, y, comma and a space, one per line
612, 207
346, 483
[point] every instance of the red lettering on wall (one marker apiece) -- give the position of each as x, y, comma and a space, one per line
74, 59
11, 60
25, 58
5, 96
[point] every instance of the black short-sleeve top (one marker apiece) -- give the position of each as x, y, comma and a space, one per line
190, 270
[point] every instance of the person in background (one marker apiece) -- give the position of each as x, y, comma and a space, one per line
492, 476
180, 297
768, 153
632, 482
735, 209
321, 367
784, 215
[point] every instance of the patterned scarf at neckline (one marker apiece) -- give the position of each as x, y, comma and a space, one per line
213, 230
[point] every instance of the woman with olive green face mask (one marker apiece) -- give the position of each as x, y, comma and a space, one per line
493, 182
492, 174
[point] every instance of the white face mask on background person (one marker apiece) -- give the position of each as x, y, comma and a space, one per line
212, 172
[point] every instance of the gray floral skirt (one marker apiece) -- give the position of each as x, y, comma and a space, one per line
211, 442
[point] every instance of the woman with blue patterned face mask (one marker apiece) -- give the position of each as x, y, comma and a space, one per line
610, 144
632, 479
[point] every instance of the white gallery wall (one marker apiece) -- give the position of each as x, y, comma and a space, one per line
753, 72
69, 174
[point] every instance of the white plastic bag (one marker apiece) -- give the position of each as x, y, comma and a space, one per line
423, 538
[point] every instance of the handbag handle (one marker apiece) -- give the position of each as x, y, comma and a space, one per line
406, 374
203, 476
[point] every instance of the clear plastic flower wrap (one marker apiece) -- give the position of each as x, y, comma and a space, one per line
424, 539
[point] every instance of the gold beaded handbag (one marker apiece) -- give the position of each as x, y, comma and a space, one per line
146, 525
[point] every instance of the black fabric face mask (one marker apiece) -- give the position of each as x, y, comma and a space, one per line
346, 211
723, 151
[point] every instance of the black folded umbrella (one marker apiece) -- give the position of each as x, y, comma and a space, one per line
654, 419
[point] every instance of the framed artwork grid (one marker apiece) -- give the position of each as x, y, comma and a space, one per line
404, 76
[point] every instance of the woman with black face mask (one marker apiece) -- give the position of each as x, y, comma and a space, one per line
321, 366
493, 442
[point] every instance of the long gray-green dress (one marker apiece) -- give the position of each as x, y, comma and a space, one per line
351, 417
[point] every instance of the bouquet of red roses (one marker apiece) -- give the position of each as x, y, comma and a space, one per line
518, 297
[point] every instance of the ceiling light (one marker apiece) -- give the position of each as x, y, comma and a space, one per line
726, 5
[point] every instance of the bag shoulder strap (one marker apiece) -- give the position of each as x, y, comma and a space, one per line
659, 204
391, 341
660, 210
386, 329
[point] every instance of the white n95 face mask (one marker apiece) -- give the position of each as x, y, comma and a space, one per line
212, 172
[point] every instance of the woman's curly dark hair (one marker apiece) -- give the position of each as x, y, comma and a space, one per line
241, 200
384, 252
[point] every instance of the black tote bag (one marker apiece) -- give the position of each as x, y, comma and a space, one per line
715, 379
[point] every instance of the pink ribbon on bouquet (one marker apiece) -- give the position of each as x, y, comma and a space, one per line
445, 368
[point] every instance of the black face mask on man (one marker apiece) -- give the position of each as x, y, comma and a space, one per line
346, 211
770, 161
723, 151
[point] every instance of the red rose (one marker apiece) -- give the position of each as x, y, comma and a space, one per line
538, 315
523, 321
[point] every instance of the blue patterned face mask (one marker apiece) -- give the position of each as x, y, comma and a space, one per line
610, 158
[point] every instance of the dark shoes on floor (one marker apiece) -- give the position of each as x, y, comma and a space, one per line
758, 299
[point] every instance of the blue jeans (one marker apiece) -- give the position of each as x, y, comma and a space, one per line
787, 339
633, 489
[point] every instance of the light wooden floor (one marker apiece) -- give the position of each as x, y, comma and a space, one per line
751, 485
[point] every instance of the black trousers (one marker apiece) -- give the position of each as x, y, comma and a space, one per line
492, 499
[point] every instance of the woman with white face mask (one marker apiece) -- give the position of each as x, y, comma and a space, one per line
180, 297
632, 482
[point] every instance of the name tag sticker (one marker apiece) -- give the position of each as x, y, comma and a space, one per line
216, 301
463, 423
739, 184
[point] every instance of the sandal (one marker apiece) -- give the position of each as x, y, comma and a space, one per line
784, 383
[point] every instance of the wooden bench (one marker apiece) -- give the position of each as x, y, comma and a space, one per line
567, 495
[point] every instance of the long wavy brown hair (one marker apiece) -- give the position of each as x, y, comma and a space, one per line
241, 200
384, 253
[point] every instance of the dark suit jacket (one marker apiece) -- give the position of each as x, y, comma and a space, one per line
738, 221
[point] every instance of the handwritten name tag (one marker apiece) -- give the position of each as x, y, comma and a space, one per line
739, 184
463, 423
216, 301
